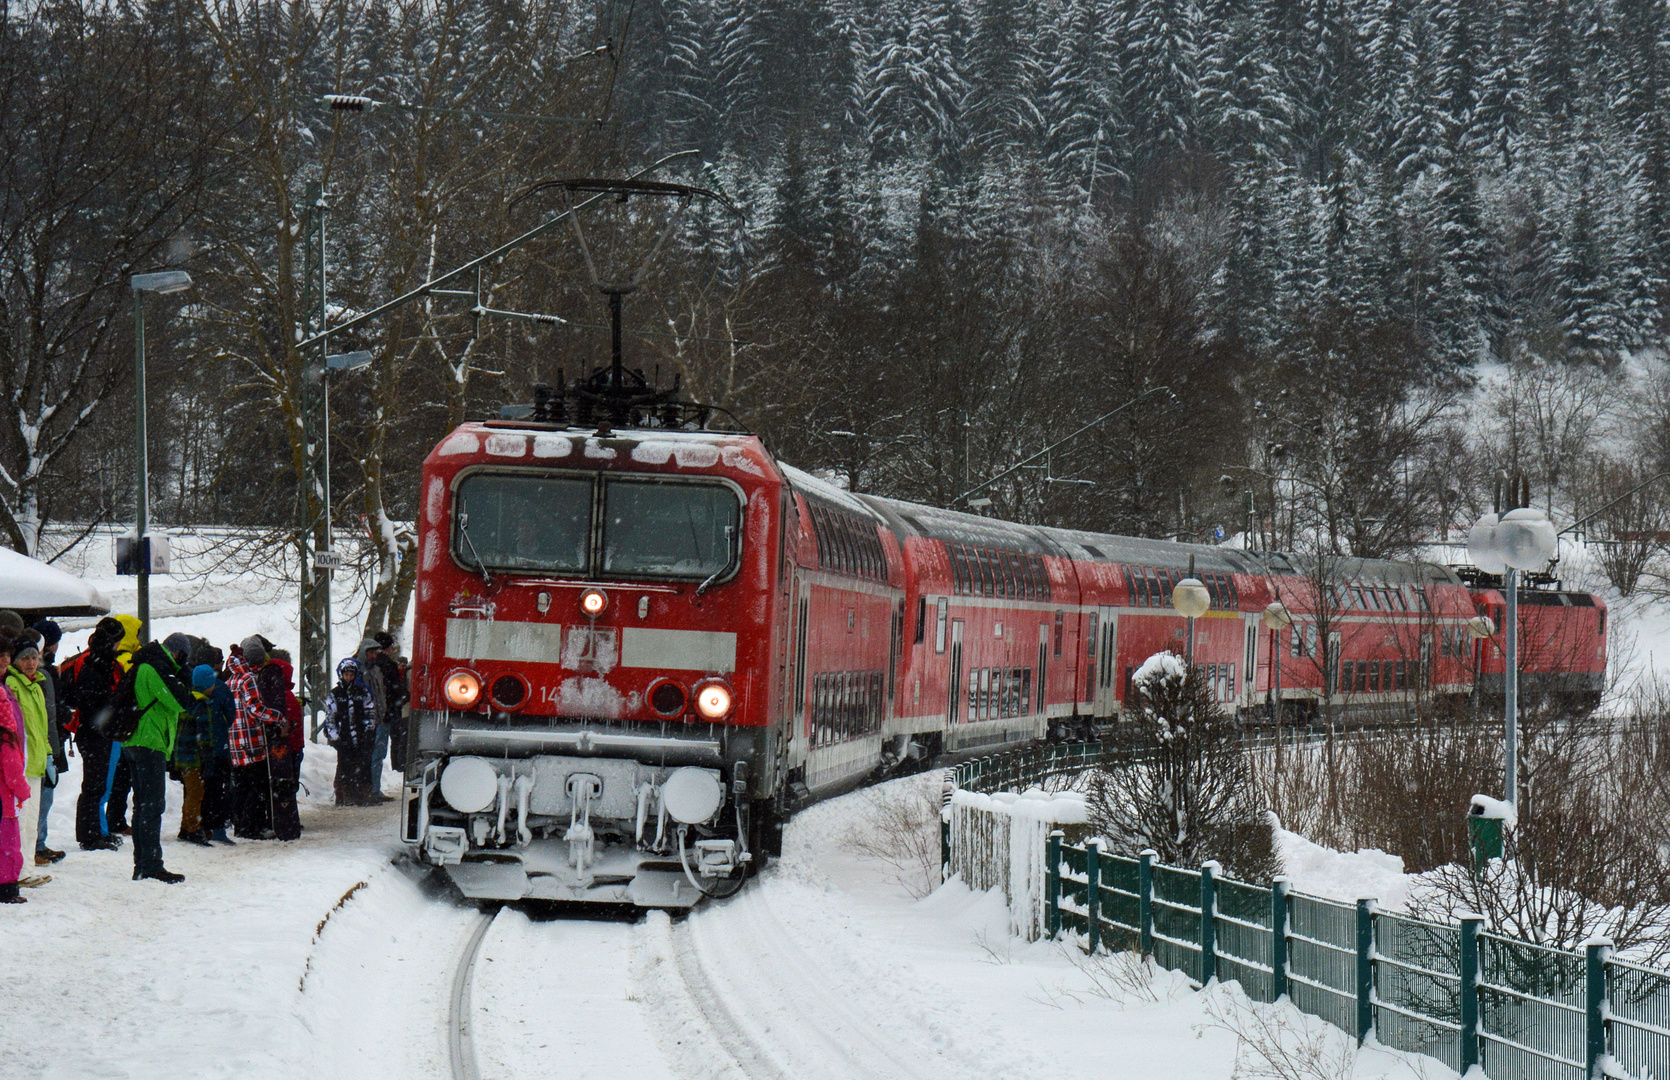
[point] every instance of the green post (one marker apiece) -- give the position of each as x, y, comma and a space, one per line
1365, 969
1597, 951
1052, 885
1208, 921
1145, 901
1469, 1034
1278, 938
1093, 891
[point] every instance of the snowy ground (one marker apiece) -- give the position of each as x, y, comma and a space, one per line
257, 966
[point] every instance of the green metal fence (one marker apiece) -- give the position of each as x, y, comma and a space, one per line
1514, 1009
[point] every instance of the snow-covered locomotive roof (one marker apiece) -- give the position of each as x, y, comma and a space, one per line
31, 587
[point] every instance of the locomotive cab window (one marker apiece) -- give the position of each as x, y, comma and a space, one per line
659, 529
523, 523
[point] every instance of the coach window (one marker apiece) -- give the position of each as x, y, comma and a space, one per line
525, 522
939, 624
921, 620
1211, 582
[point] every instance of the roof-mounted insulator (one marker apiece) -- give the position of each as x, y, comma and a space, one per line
348, 102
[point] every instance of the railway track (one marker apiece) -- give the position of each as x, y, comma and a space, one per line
460, 1011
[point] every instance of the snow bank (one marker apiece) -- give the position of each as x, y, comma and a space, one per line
1346, 876
998, 841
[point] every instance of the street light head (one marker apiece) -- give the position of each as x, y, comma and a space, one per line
1276, 616
1482, 546
1190, 598
979, 504
166, 281
1525, 538
348, 361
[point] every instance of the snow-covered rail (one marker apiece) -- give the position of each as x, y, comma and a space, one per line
460, 1022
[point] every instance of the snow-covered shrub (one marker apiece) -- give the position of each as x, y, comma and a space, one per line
1406, 794
1588, 855
1190, 794
901, 829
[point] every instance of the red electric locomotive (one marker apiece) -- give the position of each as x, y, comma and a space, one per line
641, 643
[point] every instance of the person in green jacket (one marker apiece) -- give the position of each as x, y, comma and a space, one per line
25, 679
157, 693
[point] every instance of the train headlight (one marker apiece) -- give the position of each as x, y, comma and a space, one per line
692, 795
469, 784
713, 700
463, 689
593, 601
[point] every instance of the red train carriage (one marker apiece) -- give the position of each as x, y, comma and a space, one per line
638, 650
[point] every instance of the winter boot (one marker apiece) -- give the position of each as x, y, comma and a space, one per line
46, 856
9, 895
34, 881
164, 876
220, 837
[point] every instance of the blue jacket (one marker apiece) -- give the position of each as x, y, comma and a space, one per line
221, 708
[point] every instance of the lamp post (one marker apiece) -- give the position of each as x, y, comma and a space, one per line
1522, 539
167, 281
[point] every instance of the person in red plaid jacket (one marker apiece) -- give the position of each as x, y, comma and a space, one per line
253, 723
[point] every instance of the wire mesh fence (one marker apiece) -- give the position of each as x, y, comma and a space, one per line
1515, 1009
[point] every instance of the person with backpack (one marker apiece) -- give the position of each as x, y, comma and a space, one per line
89, 678
217, 762
194, 753
150, 694
252, 720
350, 728
121, 772
14, 787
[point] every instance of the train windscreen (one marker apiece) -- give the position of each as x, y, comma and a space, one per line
661, 529
524, 523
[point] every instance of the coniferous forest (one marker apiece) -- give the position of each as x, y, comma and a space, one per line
1377, 251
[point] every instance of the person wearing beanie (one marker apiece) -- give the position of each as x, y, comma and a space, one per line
156, 693
396, 693
371, 672
14, 788
217, 765
57, 762
194, 750
88, 680
11, 622
254, 726
23, 678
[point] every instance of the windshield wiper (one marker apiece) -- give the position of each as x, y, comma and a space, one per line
464, 531
730, 556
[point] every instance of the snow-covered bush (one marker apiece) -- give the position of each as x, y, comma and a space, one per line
901, 829
1190, 794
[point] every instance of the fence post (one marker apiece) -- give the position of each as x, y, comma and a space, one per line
1145, 901
1093, 891
1365, 969
1278, 938
1597, 951
945, 845
1469, 1035
1208, 921
1052, 884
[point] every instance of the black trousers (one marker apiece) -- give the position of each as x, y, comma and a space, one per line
217, 795
95, 767
150, 783
116, 810
287, 822
252, 800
